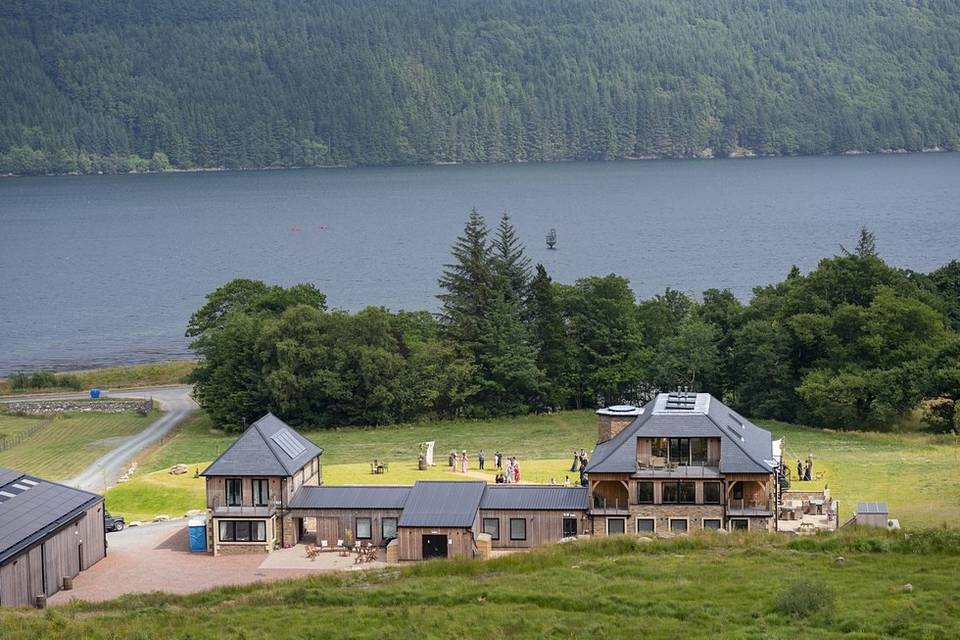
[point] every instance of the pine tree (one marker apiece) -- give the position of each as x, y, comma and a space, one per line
467, 283
511, 265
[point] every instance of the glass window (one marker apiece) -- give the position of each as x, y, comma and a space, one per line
569, 527
738, 491
243, 531
645, 525
658, 447
492, 526
363, 529
518, 528
738, 523
616, 525
711, 493
698, 451
711, 524
678, 525
687, 492
234, 492
388, 528
645, 492
261, 492
668, 493
680, 450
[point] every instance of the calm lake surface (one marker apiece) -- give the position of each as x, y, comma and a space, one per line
101, 270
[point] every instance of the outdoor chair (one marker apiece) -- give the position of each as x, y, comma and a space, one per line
324, 545
373, 469
342, 549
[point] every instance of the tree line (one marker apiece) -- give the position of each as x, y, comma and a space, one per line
105, 86
855, 343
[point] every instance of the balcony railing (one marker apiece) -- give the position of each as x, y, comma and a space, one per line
661, 468
218, 505
604, 505
749, 507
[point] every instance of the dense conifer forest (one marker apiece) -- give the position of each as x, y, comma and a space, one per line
105, 85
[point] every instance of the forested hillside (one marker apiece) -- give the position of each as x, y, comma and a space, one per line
106, 85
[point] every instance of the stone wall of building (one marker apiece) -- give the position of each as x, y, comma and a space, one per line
56, 407
662, 514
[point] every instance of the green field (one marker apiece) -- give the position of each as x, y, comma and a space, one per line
70, 442
141, 375
918, 475
701, 586
12, 426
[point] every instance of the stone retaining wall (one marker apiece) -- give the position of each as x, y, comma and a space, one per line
55, 407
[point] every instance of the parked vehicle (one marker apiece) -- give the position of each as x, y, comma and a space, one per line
111, 522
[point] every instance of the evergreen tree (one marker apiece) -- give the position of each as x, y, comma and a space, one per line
510, 263
467, 284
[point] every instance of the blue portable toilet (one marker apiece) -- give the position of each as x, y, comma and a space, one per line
197, 528
94, 393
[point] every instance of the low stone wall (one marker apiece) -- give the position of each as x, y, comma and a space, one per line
55, 407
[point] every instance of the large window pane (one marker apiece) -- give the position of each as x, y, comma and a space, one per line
261, 492
680, 450
234, 492
698, 451
687, 492
678, 525
226, 531
363, 529
569, 527
518, 528
243, 530
259, 531
658, 447
669, 493
711, 493
645, 493
492, 527
388, 528
711, 524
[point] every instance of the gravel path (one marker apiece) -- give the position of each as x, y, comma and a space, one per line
177, 405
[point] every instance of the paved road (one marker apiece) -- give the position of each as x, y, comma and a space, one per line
175, 401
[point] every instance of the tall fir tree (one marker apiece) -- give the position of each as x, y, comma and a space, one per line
510, 262
467, 283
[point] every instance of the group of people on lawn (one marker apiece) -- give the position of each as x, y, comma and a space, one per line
805, 471
460, 463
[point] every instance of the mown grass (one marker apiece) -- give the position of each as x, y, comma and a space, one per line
13, 425
918, 475
141, 375
71, 442
705, 586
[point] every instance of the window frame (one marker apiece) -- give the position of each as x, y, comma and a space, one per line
261, 483
227, 493
483, 527
524, 521
383, 530
746, 521
576, 527
719, 521
653, 521
230, 526
677, 483
623, 524
653, 493
737, 488
686, 525
719, 487
681, 460
356, 528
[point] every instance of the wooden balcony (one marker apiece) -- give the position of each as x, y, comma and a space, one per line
605, 507
654, 467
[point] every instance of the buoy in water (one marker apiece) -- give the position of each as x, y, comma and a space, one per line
552, 239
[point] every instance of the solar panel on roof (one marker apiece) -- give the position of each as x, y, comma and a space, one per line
29, 482
290, 445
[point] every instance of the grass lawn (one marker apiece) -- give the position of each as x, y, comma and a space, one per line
11, 426
71, 442
140, 375
703, 586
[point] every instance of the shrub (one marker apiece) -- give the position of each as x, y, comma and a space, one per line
45, 380
806, 597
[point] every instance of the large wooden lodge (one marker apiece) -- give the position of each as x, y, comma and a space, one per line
679, 463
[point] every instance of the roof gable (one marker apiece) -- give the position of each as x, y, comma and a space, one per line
269, 447
32, 508
744, 447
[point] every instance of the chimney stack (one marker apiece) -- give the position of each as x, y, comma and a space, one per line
613, 420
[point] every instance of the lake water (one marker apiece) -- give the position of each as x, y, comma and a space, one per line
107, 269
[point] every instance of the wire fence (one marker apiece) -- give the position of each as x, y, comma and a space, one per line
8, 442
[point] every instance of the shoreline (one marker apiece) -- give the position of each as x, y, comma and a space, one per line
704, 154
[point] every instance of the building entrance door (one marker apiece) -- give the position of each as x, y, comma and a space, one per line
434, 546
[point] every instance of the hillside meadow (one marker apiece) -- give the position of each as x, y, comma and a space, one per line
919, 475
736, 586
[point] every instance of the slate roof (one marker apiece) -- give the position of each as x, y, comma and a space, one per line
447, 503
350, 497
524, 497
260, 451
32, 514
744, 447
866, 508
